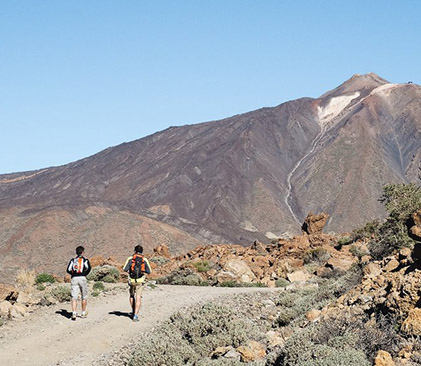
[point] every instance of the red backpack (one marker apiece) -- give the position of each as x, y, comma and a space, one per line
137, 266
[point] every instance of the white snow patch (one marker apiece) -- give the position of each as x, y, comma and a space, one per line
334, 107
384, 89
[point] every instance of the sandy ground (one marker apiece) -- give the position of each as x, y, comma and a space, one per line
49, 337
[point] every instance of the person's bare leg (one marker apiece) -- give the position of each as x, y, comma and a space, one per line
74, 305
84, 304
138, 303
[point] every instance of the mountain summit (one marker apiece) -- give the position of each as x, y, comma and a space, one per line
251, 176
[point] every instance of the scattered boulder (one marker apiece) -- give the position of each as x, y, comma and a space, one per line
162, 251
416, 229
298, 276
221, 351
340, 263
412, 324
8, 293
383, 358
232, 355
372, 270
239, 269
314, 223
274, 339
5, 307
18, 311
252, 352
313, 315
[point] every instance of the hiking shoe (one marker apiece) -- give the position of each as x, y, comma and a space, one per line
74, 316
84, 315
135, 318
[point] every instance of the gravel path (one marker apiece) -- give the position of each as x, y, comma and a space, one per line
49, 337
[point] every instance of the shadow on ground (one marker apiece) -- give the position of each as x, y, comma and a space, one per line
65, 313
121, 313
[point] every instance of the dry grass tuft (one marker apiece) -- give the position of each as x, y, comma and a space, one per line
25, 279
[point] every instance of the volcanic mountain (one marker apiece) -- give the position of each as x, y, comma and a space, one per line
250, 176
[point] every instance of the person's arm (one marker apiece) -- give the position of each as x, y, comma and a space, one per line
126, 266
88, 267
69, 269
147, 267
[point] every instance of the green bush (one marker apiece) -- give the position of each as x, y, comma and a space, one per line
44, 278
203, 266
40, 287
98, 286
318, 254
369, 231
95, 293
282, 282
183, 277
61, 293
345, 240
104, 273
400, 200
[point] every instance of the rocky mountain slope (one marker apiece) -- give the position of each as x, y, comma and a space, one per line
247, 177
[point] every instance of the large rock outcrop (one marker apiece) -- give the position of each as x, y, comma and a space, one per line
314, 223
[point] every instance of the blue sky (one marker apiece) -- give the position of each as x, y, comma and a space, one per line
79, 76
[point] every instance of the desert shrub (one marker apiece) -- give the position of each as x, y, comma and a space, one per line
345, 240
322, 345
189, 337
203, 266
224, 362
25, 278
295, 303
240, 284
282, 282
381, 334
230, 283
95, 293
183, 277
40, 287
400, 200
159, 261
369, 231
357, 252
318, 254
61, 293
98, 286
104, 273
44, 278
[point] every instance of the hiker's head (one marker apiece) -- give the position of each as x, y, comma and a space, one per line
80, 250
138, 249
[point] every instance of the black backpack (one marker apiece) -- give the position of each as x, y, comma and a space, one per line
137, 266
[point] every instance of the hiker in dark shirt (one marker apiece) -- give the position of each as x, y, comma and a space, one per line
138, 267
79, 268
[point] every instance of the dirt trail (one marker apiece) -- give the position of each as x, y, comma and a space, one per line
49, 337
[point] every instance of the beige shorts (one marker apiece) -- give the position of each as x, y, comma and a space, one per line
79, 285
135, 289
